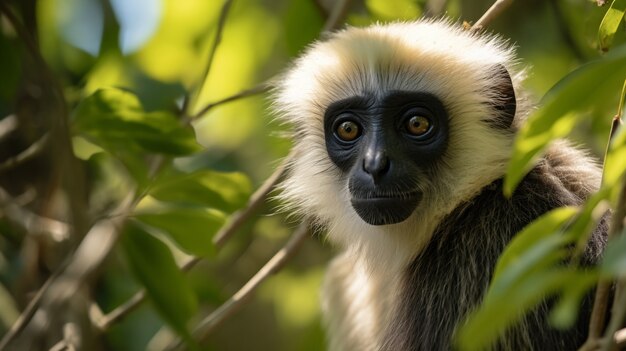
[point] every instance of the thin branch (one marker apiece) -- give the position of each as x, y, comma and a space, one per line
7, 125
105, 322
31, 222
600, 303
619, 301
259, 89
240, 217
25, 155
335, 19
494, 11
207, 325
231, 227
75, 270
337, 16
221, 22
30, 310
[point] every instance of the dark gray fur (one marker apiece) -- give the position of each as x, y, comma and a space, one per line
449, 278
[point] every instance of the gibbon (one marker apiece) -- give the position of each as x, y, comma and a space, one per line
403, 132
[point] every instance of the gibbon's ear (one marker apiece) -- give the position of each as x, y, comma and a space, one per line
505, 102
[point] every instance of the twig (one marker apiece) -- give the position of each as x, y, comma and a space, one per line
337, 16
25, 155
207, 325
221, 22
31, 222
105, 322
75, 270
259, 196
600, 303
493, 12
619, 301
7, 125
239, 218
30, 310
259, 89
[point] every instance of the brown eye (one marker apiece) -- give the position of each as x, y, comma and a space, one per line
348, 131
418, 125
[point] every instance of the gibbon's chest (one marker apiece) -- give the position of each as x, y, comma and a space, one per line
359, 304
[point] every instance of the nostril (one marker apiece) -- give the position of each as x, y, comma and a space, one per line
376, 165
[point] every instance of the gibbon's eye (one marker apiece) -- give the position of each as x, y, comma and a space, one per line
348, 131
418, 125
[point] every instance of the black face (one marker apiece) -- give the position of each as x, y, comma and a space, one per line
384, 146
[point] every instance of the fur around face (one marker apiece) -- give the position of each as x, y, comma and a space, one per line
373, 287
434, 57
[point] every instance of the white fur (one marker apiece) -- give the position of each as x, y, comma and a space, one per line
437, 57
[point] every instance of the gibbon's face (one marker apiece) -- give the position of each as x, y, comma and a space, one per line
383, 146
396, 123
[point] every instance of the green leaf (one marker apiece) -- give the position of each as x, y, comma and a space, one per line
614, 260
530, 269
549, 224
152, 263
191, 228
495, 316
610, 23
224, 191
115, 120
525, 274
555, 118
565, 313
588, 219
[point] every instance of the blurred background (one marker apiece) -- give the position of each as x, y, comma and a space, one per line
158, 50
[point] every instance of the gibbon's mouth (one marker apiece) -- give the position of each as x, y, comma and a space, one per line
381, 210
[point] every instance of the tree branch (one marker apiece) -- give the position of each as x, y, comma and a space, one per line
221, 22
237, 220
207, 325
494, 11
259, 89
240, 217
619, 300
25, 155
600, 302
337, 16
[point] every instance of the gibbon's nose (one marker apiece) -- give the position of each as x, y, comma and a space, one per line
376, 164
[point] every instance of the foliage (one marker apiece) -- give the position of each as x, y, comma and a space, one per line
531, 267
130, 114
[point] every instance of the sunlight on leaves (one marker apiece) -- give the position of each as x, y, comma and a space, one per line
610, 23
538, 230
191, 228
493, 319
114, 119
221, 190
555, 118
